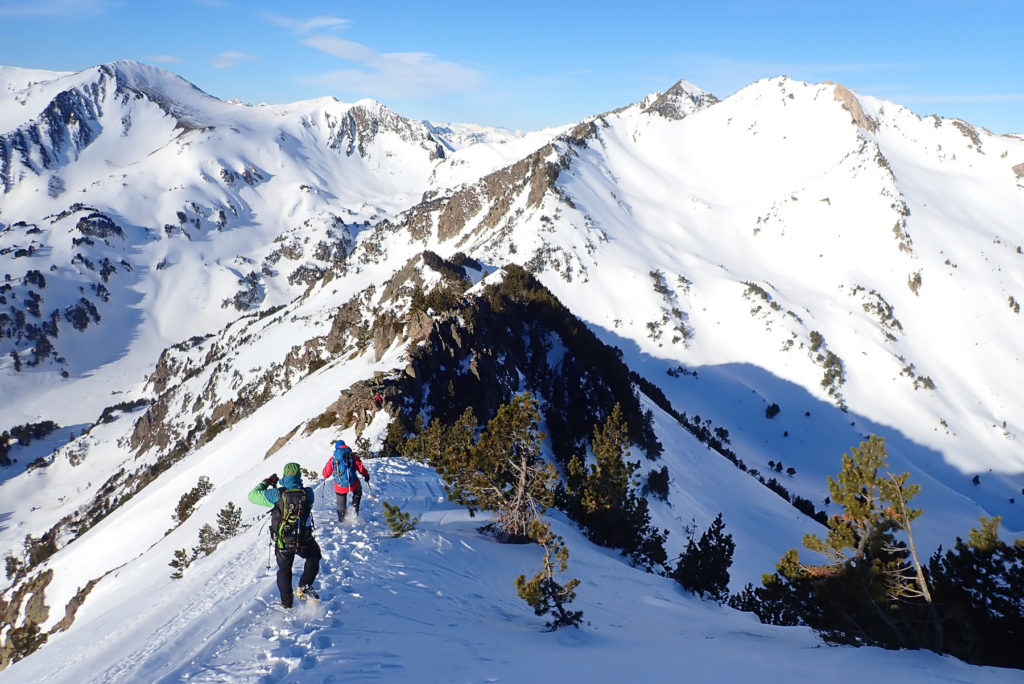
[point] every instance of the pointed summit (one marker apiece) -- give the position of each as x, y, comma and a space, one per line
681, 100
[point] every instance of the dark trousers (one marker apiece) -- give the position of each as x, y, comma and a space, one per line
357, 495
309, 550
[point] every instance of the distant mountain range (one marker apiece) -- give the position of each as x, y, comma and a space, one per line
782, 272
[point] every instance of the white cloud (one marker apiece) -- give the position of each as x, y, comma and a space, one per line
306, 25
392, 74
341, 48
163, 59
231, 58
54, 8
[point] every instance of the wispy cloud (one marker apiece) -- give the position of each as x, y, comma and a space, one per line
54, 8
306, 25
231, 58
162, 59
391, 74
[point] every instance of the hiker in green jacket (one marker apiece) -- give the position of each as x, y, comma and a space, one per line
291, 530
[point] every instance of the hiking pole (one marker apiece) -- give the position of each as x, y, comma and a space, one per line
263, 515
369, 493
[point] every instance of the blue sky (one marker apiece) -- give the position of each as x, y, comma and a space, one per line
529, 64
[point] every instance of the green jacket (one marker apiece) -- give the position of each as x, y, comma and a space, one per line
264, 495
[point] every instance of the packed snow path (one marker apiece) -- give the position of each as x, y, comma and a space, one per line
437, 605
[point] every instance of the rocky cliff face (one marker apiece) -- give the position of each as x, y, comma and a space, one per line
355, 131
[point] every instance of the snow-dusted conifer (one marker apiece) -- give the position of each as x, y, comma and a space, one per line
229, 520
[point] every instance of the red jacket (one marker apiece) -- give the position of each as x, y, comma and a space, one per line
328, 472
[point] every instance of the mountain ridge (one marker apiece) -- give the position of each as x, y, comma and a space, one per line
793, 245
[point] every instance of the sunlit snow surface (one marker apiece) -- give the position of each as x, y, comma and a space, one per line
437, 605
774, 187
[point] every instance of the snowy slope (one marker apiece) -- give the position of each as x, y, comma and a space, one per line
737, 252
791, 245
436, 605
226, 206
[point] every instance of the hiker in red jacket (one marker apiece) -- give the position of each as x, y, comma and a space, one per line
342, 468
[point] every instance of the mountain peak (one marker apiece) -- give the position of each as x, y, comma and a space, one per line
681, 100
160, 85
747, 271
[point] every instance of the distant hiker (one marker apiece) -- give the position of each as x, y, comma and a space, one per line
291, 530
342, 467
378, 401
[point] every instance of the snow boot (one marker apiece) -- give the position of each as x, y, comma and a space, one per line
307, 593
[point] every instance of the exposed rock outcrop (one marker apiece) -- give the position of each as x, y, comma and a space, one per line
852, 104
681, 100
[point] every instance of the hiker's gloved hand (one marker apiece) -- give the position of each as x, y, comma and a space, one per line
271, 481
367, 478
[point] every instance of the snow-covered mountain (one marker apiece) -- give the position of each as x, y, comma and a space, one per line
136, 189
199, 288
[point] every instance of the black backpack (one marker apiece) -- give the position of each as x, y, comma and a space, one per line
290, 519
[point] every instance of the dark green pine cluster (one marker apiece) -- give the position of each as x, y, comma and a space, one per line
872, 589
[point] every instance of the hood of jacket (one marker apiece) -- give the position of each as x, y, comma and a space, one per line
291, 482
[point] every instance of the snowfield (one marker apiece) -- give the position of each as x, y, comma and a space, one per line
834, 255
437, 605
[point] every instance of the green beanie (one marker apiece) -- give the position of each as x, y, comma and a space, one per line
291, 469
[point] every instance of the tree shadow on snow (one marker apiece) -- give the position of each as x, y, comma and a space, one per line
810, 434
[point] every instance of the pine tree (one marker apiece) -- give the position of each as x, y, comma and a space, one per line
979, 588
867, 520
209, 538
607, 487
229, 520
604, 501
501, 470
454, 460
871, 590
180, 562
703, 567
542, 591
13, 565
507, 473
187, 502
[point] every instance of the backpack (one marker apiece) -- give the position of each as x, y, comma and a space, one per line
290, 520
344, 467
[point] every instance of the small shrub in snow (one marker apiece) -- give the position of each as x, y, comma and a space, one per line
399, 522
187, 502
180, 562
657, 483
